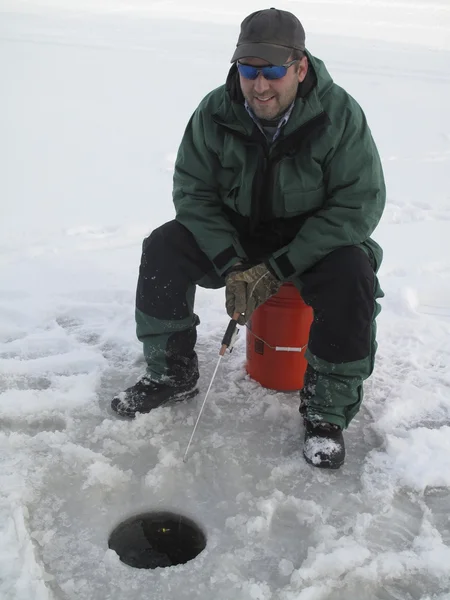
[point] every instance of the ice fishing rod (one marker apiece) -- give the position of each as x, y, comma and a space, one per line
228, 342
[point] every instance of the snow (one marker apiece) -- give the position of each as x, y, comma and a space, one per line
95, 98
412, 457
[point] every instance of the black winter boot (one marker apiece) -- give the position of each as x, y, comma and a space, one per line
324, 445
145, 395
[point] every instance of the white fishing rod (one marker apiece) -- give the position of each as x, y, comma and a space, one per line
227, 342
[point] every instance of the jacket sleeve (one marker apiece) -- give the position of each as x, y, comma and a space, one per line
196, 197
355, 199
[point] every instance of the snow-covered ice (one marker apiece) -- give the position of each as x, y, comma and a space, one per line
95, 98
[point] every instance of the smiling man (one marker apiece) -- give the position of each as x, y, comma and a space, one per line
277, 179
269, 99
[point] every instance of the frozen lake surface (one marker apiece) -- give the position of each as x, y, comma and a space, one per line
95, 98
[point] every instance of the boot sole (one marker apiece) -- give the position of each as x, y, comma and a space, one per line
123, 412
323, 464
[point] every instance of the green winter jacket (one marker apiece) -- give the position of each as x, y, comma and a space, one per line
317, 188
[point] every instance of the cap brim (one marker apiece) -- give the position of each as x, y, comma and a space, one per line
275, 55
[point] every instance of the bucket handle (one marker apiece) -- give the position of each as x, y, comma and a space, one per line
277, 348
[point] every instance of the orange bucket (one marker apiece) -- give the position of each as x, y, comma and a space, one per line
277, 335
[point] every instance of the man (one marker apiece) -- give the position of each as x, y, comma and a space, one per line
277, 179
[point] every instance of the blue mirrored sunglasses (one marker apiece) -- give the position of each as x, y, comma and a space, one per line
269, 72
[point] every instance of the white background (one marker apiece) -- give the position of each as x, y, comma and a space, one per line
94, 99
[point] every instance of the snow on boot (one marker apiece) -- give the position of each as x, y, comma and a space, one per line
145, 395
324, 445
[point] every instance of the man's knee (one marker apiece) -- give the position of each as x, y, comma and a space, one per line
339, 273
349, 262
169, 235
173, 246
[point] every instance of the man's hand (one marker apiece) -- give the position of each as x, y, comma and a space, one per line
247, 289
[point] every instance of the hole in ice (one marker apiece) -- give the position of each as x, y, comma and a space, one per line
158, 539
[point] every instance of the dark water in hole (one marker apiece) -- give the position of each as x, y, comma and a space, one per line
156, 540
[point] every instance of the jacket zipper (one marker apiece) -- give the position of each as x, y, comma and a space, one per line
261, 193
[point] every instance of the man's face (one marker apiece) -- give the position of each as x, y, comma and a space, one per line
270, 98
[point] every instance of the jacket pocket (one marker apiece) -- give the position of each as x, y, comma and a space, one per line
297, 202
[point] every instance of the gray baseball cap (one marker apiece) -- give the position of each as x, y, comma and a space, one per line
270, 34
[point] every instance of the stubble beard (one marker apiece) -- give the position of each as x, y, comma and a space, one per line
269, 112
275, 108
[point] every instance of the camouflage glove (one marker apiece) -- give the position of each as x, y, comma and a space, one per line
248, 288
